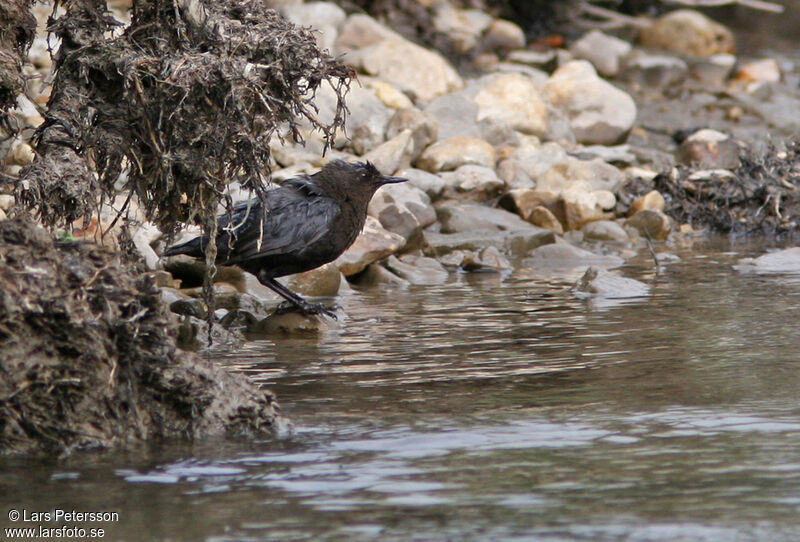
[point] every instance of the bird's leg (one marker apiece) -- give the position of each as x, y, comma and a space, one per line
304, 306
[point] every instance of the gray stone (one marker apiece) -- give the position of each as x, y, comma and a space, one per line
456, 114
189, 307
598, 111
288, 324
599, 282
226, 296
487, 259
656, 71
603, 51
765, 70
418, 269
651, 223
713, 71
422, 74
6, 201
514, 177
325, 17
407, 197
709, 149
477, 181
502, 36
513, 100
360, 30
652, 200
365, 125
454, 152
459, 217
463, 27
377, 274
374, 243
423, 126
605, 230
512, 242
567, 255
687, 32
367, 121
323, 281
617, 154
543, 60
431, 184
780, 261
392, 155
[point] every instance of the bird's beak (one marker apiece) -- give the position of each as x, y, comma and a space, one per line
391, 180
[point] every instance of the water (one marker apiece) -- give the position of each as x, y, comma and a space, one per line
491, 408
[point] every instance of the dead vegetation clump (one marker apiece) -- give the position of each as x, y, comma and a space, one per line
17, 30
762, 196
184, 101
88, 356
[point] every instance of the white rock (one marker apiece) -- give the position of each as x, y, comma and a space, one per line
603, 51
431, 184
417, 269
471, 178
460, 217
373, 244
598, 111
454, 152
324, 17
394, 154
424, 128
656, 71
407, 196
420, 73
605, 230
688, 32
6, 201
503, 36
390, 95
780, 261
361, 30
514, 100
565, 255
463, 26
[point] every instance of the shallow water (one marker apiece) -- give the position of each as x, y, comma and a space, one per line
491, 408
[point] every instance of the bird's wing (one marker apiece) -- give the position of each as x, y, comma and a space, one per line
304, 184
289, 225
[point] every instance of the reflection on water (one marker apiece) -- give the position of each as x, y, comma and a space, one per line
492, 408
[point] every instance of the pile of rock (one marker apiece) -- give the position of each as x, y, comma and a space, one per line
534, 150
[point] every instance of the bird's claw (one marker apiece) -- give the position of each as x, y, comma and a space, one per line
308, 309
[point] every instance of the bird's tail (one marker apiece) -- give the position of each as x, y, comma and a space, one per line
192, 248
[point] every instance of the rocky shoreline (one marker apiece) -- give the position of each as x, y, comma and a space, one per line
523, 154
536, 148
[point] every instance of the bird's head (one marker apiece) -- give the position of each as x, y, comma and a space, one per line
355, 182
368, 175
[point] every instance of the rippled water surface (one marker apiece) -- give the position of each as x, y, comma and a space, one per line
492, 408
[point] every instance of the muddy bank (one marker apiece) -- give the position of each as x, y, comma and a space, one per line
88, 356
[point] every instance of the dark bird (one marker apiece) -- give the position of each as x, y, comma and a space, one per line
306, 222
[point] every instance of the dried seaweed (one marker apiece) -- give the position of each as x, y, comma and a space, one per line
88, 356
762, 196
186, 100
17, 28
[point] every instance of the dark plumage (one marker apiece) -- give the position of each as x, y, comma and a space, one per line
308, 221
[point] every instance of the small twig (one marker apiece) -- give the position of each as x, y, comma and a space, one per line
608, 19
754, 4
650, 248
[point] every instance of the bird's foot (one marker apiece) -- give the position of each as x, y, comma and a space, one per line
307, 309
